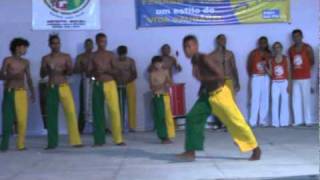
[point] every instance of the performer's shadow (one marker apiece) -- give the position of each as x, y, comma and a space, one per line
134, 154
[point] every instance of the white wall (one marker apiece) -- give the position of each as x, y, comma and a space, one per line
118, 22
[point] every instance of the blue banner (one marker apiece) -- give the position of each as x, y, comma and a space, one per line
153, 13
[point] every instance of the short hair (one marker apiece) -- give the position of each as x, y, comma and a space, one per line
100, 35
220, 36
122, 50
16, 42
164, 46
297, 31
263, 38
156, 59
52, 37
88, 40
190, 38
277, 43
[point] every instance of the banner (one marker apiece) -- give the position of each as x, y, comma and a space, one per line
152, 13
66, 14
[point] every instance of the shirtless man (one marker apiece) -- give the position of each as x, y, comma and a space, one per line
228, 65
57, 66
221, 103
85, 86
127, 74
170, 62
102, 68
160, 82
15, 69
227, 62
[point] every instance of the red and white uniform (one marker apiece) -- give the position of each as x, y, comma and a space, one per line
279, 76
260, 85
301, 84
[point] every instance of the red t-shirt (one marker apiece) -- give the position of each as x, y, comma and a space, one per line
279, 70
258, 61
300, 62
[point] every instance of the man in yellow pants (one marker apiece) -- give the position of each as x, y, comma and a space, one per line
102, 68
160, 81
57, 66
127, 74
14, 71
219, 100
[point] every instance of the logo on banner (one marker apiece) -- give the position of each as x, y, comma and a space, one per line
67, 7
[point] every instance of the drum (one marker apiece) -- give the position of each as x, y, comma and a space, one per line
177, 95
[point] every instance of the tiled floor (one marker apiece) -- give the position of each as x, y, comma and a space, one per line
286, 153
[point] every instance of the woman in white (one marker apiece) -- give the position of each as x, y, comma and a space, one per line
279, 70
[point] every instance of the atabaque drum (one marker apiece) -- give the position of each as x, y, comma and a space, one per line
177, 95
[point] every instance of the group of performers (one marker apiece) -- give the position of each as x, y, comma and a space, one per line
109, 80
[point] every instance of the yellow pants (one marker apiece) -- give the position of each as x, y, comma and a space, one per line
21, 107
66, 98
112, 101
132, 101
169, 117
229, 84
223, 106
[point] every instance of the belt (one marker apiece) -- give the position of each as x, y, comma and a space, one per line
279, 80
216, 91
58, 85
259, 75
160, 94
15, 89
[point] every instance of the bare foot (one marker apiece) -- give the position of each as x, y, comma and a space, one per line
166, 141
188, 155
97, 145
50, 148
78, 146
22, 149
256, 154
121, 144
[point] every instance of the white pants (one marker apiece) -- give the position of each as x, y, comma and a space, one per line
260, 97
301, 99
280, 112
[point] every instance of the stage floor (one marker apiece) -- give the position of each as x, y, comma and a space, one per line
286, 153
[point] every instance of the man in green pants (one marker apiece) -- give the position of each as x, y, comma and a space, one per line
57, 66
127, 74
16, 73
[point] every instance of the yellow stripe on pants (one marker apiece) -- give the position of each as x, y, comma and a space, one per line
169, 117
66, 99
21, 108
132, 101
223, 106
112, 101
229, 84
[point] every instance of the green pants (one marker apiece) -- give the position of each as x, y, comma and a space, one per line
106, 92
159, 117
8, 117
55, 94
195, 123
98, 114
